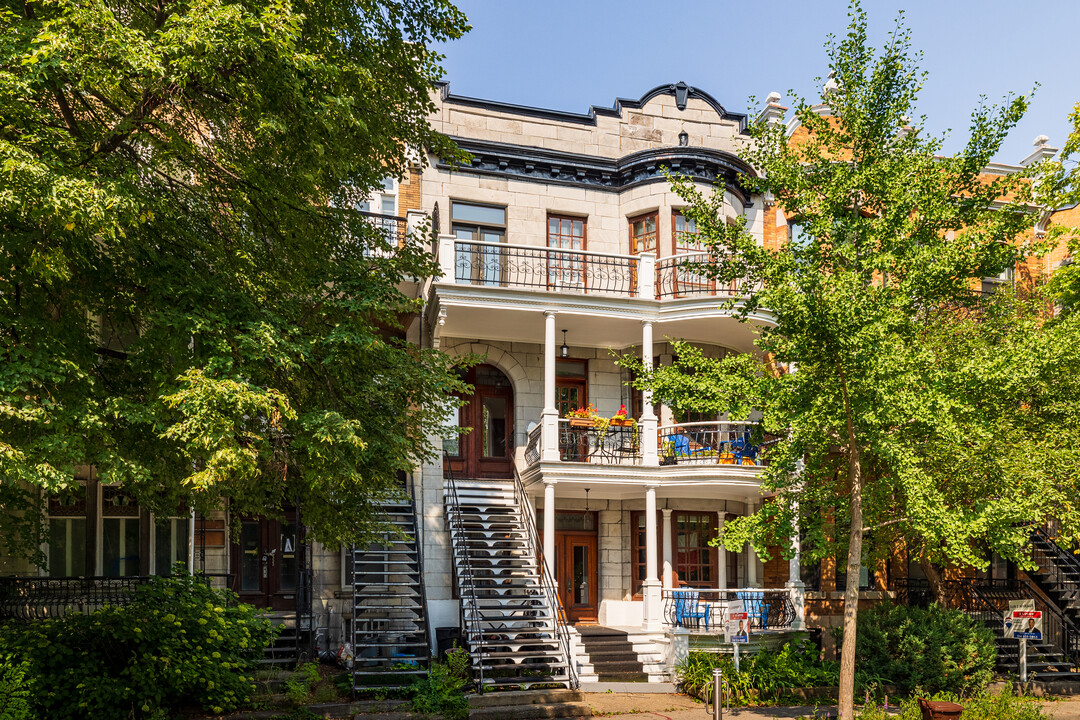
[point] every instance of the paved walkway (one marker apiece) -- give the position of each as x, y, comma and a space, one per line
649, 706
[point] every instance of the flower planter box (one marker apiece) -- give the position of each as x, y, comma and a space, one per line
621, 422
582, 422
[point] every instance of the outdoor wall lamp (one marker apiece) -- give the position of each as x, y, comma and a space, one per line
564, 351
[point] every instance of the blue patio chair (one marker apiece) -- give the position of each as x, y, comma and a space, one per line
687, 607
756, 607
741, 447
681, 444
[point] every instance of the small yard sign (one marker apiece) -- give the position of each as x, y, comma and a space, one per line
737, 629
1023, 621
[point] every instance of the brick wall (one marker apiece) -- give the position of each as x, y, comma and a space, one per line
409, 192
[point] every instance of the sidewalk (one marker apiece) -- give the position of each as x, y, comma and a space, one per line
649, 706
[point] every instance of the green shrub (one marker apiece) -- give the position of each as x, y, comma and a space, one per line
984, 706
441, 691
14, 690
177, 643
767, 676
931, 650
298, 687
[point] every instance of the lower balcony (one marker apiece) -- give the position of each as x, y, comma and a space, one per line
705, 611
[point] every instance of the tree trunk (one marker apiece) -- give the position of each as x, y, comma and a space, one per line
851, 592
933, 578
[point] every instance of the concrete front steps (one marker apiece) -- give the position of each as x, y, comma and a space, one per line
615, 655
559, 704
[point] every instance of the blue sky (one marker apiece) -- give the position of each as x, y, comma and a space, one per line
570, 55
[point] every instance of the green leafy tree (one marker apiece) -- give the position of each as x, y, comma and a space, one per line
188, 301
887, 424
1061, 187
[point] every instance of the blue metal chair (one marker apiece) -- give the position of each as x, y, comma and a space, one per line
756, 607
741, 447
687, 607
681, 443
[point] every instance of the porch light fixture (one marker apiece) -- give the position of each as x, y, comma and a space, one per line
564, 351
586, 500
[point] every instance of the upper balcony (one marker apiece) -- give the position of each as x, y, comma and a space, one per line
722, 455
495, 290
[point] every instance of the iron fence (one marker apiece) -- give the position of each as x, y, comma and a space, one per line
713, 443
542, 268
607, 444
39, 598
705, 610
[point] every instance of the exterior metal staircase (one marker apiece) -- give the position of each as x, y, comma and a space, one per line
511, 618
1049, 659
390, 629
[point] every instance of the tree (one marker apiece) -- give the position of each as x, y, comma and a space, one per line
188, 301
1060, 185
877, 405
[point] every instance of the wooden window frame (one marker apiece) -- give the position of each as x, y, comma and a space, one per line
581, 265
637, 567
675, 214
655, 215
713, 562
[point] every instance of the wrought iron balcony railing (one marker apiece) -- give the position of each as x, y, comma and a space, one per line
705, 610
712, 443
607, 444
675, 280
541, 268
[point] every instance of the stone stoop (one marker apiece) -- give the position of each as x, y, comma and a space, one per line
558, 704
582, 663
651, 649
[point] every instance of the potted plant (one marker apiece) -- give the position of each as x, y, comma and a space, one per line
619, 419
584, 417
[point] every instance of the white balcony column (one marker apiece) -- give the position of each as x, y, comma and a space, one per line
549, 530
650, 591
751, 556
447, 258
550, 416
649, 439
721, 550
796, 587
669, 570
646, 275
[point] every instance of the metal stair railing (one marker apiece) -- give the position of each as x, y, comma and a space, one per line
420, 573
1053, 559
1058, 629
547, 582
466, 581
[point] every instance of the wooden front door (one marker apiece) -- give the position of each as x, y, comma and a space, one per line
487, 449
575, 557
266, 562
